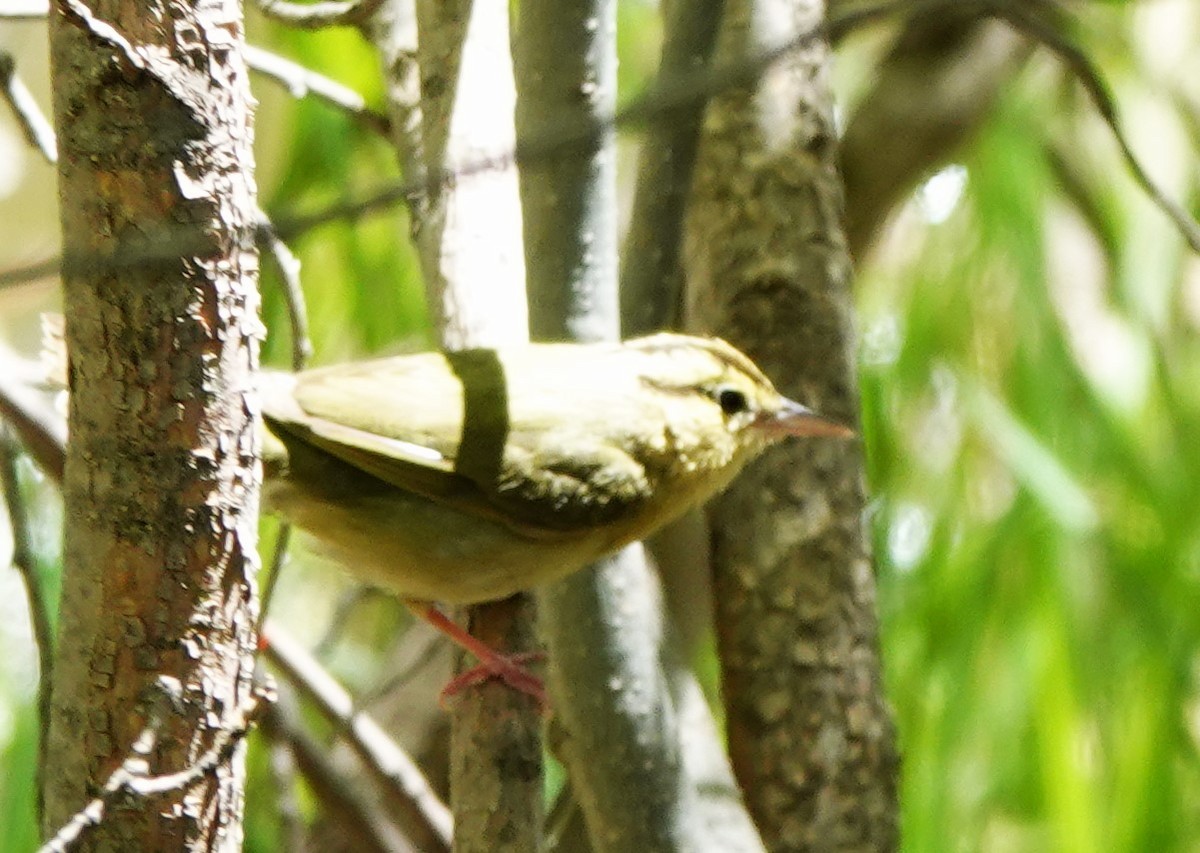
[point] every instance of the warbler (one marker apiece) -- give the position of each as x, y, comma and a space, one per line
463, 477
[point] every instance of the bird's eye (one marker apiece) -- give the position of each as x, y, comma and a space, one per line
732, 401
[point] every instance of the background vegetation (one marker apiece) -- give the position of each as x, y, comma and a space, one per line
1030, 378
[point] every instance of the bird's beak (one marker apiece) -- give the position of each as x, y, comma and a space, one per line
794, 419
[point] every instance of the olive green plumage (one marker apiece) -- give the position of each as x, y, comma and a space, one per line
568, 452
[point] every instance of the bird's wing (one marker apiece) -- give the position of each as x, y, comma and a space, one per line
519, 461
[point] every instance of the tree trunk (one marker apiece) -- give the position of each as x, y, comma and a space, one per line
767, 268
162, 478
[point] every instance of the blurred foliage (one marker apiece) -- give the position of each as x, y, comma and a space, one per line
1031, 397
1031, 406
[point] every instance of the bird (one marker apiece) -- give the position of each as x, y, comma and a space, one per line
462, 477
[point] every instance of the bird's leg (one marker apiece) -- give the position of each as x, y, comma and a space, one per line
492, 664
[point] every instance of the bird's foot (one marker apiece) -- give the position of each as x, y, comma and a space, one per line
507, 669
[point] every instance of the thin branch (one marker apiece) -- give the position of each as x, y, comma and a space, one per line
87, 20
1085, 71
279, 559
37, 128
282, 762
40, 430
684, 88
301, 82
24, 561
651, 280
664, 95
393, 32
288, 266
317, 16
423, 657
46, 268
297, 79
411, 798
343, 609
363, 820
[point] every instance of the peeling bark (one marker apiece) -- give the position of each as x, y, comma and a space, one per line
162, 478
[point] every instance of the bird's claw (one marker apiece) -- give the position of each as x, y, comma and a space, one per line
508, 669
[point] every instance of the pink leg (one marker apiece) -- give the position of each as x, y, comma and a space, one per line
492, 664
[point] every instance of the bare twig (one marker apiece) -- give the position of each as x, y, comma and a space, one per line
37, 128
667, 94
301, 81
1085, 71
287, 806
279, 558
343, 610
424, 817
362, 820
45, 268
288, 266
40, 430
393, 32
664, 95
83, 15
316, 16
24, 561
422, 657
651, 283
